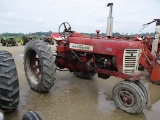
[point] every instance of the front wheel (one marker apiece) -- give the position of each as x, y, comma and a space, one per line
39, 66
129, 97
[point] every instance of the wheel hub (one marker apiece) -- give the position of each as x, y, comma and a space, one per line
126, 98
35, 66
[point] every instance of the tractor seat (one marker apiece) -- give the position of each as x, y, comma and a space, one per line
56, 36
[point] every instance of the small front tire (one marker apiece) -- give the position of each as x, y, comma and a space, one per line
144, 89
129, 97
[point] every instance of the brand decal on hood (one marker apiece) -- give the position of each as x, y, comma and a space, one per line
81, 46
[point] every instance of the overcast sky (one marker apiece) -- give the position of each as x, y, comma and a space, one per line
26, 16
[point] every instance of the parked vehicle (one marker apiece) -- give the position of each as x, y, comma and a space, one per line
85, 57
8, 41
25, 39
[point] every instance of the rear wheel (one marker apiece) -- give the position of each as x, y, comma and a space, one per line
39, 66
87, 75
129, 97
15, 43
9, 85
7, 44
32, 115
23, 40
3, 42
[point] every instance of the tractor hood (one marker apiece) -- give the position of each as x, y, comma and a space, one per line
102, 45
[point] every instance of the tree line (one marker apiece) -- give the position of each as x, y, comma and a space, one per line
28, 34
90, 34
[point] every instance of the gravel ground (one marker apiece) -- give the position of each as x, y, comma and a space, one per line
72, 98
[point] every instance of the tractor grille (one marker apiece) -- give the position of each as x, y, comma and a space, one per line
131, 61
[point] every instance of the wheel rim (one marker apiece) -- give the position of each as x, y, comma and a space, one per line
126, 98
34, 67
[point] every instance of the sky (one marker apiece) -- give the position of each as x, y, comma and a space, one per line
27, 16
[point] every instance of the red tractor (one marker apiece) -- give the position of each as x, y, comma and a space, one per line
85, 57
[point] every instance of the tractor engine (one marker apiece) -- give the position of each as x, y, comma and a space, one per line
85, 62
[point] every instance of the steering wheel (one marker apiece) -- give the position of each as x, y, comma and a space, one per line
65, 30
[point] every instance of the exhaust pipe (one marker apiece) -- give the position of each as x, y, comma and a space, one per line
109, 21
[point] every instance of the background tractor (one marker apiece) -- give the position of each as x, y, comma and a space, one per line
85, 57
8, 41
25, 39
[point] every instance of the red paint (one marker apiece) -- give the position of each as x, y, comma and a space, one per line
100, 59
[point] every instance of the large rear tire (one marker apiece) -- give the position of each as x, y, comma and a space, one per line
3, 42
129, 97
87, 75
39, 66
9, 85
